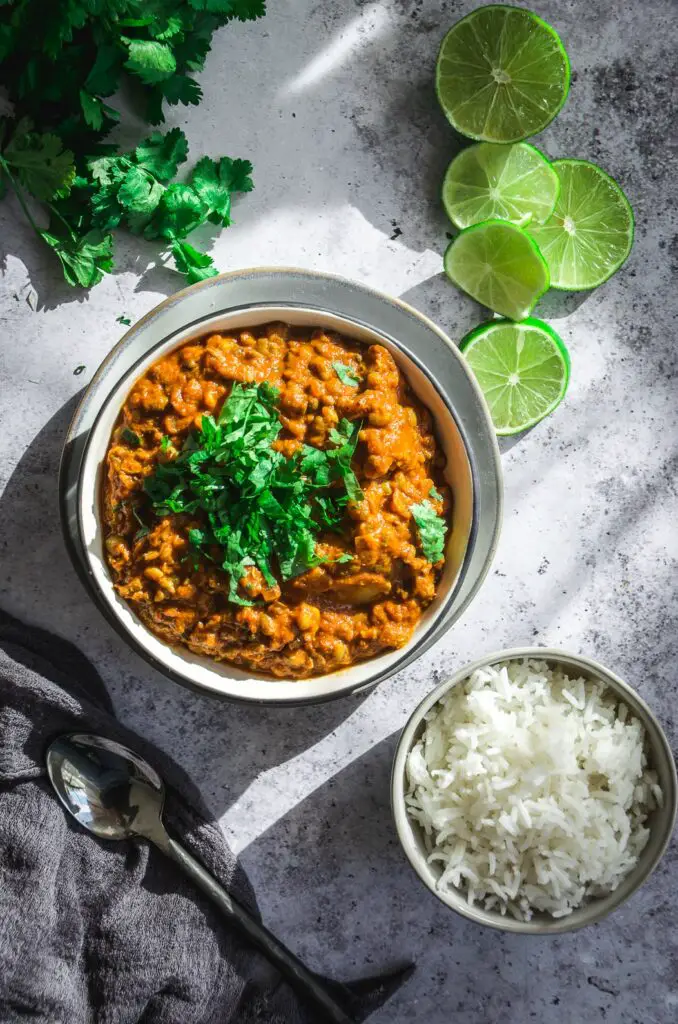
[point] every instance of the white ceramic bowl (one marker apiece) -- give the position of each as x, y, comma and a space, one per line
219, 677
661, 822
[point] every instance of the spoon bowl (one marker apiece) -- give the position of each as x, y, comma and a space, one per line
106, 787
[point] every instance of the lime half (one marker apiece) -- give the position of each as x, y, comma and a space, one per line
590, 233
522, 369
500, 266
486, 181
502, 74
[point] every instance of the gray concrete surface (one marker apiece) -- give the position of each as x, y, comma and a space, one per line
334, 104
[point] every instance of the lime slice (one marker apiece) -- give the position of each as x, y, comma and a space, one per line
502, 74
499, 265
522, 369
590, 233
486, 181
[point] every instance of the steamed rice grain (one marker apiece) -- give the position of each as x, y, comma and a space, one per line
532, 789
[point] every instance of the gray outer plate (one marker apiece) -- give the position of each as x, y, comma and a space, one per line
417, 335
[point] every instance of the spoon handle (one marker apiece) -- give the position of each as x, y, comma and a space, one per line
277, 954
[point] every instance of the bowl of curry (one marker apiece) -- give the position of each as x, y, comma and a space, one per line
278, 505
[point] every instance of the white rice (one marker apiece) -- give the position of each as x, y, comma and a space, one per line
532, 789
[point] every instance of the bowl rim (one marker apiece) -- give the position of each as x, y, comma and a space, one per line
591, 912
440, 623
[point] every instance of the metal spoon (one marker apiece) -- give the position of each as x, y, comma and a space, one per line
116, 795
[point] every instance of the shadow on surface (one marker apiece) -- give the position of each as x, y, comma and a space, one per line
556, 305
222, 746
452, 310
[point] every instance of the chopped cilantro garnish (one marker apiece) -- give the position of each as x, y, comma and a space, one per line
432, 529
164, 443
130, 437
123, 320
346, 374
344, 558
434, 493
256, 507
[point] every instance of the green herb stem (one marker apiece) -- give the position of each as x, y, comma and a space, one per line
18, 192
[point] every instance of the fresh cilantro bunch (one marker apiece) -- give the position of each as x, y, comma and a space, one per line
61, 60
59, 63
258, 507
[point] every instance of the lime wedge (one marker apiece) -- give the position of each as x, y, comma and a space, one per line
487, 181
502, 74
522, 369
499, 265
590, 233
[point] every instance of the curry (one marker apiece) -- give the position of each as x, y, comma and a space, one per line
275, 498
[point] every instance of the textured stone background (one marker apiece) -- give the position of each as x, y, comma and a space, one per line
333, 101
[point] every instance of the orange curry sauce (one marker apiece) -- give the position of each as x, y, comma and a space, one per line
334, 614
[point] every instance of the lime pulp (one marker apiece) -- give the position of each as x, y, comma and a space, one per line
502, 74
590, 233
498, 265
523, 370
486, 181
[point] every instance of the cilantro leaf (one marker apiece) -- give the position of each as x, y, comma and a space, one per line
84, 259
109, 170
179, 211
181, 89
151, 61
215, 193
104, 75
197, 266
434, 493
95, 111
122, 319
346, 374
161, 155
40, 162
214, 183
106, 211
432, 529
139, 193
191, 50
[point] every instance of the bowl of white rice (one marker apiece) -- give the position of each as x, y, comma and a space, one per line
534, 791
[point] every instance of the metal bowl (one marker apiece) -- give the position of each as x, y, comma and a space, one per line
660, 823
434, 369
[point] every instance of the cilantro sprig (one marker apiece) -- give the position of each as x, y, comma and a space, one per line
255, 506
432, 529
60, 64
132, 189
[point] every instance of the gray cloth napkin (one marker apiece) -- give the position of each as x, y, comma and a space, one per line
97, 932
